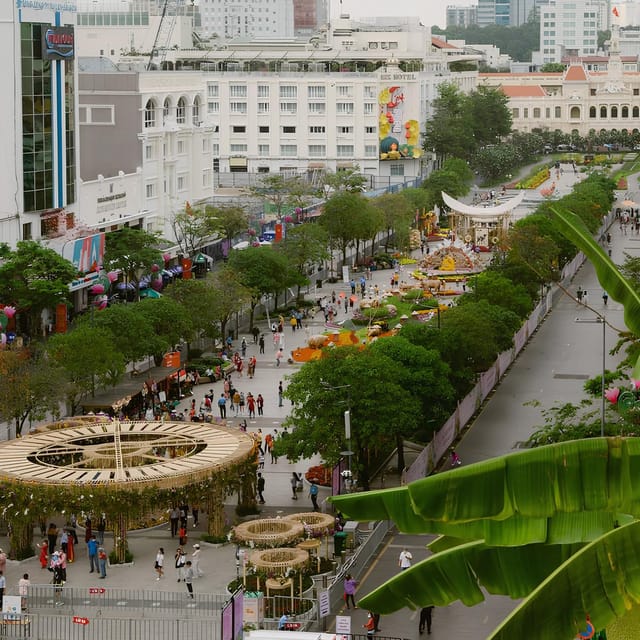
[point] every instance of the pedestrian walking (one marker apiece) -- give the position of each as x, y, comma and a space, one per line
102, 562
52, 536
222, 406
255, 332
195, 561
404, 561
174, 521
188, 578
260, 404
370, 625
44, 554
605, 298
425, 620
313, 494
455, 459
180, 562
92, 550
251, 406
579, 294
23, 590
295, 479
195, 511
280, 393
243, 347
261, 343
260, 487
159, 564
349, 586
102, 527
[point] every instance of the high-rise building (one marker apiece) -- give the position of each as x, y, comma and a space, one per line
509, 13
462, 16
38, 173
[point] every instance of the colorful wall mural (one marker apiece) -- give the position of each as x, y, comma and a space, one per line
398, 137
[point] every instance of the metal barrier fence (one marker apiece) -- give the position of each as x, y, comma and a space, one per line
302, 610
96, 627
113, 601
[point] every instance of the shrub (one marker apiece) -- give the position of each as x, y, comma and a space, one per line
113, 558
205, 537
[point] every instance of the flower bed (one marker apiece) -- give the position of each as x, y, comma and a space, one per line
536, 180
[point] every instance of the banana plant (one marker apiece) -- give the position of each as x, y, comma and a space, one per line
558, 526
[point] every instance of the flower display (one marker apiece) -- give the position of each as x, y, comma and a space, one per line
612, 395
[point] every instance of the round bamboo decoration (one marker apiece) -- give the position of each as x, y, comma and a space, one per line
278, 561
269, 532
317, 524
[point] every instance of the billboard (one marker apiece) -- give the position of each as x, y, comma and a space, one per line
86, 254
399, 135
58, 43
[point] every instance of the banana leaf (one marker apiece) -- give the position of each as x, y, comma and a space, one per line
458, 574
518, 498
602, 580
616, 285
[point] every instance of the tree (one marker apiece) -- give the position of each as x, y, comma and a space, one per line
34, 278
349, 179
553, 67
229, 221
283, 193
450, 131
31, 386
344, 218
192, 228
397, 216
261, 271
380, 408
498, 290
305, 245
133, 252
553, 525
490, 114
89, 359
454, 178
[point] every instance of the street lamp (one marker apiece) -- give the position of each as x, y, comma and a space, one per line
601, 321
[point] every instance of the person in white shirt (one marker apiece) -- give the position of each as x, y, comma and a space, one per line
404, 561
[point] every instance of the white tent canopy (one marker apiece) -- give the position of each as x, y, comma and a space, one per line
483, 212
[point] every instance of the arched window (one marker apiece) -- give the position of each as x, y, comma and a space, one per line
592, 112
614, 112
575, 113
603, 112
636, 112
150, 114
195, 110
625, 112
166, 109
181, 111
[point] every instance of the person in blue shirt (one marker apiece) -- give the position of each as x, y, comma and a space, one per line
313, 494
282, 623
92, 549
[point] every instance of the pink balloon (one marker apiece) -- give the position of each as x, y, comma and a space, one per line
612, 395
9, 312
155, 268
97, 288
112, 275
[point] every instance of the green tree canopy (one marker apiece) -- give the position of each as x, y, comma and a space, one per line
228, 221
498, 290
398, 215
34, 278
193, 228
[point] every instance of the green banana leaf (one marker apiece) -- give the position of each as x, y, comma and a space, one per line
565, 492
602, 580
616, 285
458, 574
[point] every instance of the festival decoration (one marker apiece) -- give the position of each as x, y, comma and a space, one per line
9, 311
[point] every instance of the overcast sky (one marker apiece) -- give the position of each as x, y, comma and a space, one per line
430, 11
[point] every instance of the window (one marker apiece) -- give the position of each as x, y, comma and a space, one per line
370, 150
150, 190
625, 112
317, 129
369, 108
343, 108
525, 112
288, 108
515, 113
345, 130
213, 91
263, 91
614, 112
317, 107
396, 169
316, 91
603, 112
166, 109
345, 91
370, 92
195, 111
238, 107
288, 129
182, 183
574, 113
263, 107
592, 112
547, 113
289, 91
558, 112
263, 129
181, 146
239, 129
370, 129
237, 148
238, 90
344, 150
213, 107
205, 145
215, 149
536, 112
317, 151
206, 178
263, 150
26, 231
148, 152
288, 150
150, 114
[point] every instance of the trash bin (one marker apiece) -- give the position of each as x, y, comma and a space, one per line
339, 539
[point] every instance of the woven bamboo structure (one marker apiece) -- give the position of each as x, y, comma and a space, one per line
314, 523
279, 561
269, 532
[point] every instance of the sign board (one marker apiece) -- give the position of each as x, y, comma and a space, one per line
345, 274
343, 627
97, 590
324, 605
253, 607
58, 43
86, 254
11, 608
80, 620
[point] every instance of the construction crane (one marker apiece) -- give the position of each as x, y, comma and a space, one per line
165, 31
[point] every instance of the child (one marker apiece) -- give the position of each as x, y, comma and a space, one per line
23, 590
370, 625
188, 578
183, 535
